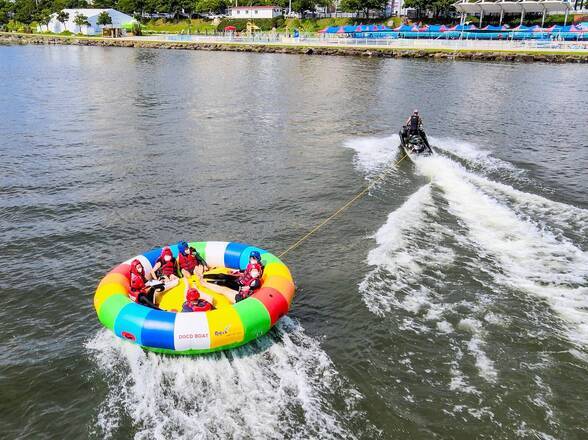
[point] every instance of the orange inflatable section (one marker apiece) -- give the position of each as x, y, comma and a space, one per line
123, 269
111, 284
283, 285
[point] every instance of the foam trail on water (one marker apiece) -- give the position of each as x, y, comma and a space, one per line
559, 214
531, 259
410, 261
405, 254
472, 154
475, 345
266, 389
373, 153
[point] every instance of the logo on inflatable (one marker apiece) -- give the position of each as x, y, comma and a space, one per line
193, 336
222, 332
129, 336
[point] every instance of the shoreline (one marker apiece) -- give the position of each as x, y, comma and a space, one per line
490, 55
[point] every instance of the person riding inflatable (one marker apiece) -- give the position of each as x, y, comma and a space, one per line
140, 292
237, 285
194, 303
165, 266
189, 261
248, 283
254, 262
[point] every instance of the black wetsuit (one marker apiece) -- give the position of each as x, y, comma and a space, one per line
147, 298
414, 125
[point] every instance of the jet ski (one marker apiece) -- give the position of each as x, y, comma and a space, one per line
414, 144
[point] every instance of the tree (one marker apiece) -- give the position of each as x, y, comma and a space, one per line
203, 6
44, 17
76, 4
103, 4
174, 7
81, 20
6, 10
437, 7
363, 6
442, 8
24, 10
126, 6
301, 6
62, 17
104, 19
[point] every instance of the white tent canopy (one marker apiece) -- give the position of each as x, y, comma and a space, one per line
93, 28
483, 7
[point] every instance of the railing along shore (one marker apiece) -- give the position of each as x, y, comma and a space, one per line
399, 43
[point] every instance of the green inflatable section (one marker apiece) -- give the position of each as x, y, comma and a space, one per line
111, 308
200, 247
269, 258
255, 318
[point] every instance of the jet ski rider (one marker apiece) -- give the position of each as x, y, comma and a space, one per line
414, 123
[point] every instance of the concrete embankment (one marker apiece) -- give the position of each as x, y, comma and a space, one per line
436, 54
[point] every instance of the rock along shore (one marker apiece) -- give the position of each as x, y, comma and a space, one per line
435, 54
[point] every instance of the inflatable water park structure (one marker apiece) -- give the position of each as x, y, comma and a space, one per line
465, 30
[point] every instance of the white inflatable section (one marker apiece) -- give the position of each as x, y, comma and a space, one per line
191, 331
215, 253
144, 261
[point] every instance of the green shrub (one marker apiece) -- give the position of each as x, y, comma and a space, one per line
137, 29
265, 24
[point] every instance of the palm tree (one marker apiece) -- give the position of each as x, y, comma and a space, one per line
62, 17
104, 19
81, 20
44, 18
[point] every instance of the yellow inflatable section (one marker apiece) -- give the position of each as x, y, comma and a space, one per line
173, 299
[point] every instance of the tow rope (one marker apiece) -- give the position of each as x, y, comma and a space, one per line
342, 208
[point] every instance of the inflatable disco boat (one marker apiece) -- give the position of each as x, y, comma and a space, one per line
227, 326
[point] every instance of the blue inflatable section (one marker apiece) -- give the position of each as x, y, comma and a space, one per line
244, 259
233, 255
158, 330
174, 249
152, 255
131, 317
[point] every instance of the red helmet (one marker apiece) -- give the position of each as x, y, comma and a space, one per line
135, 264
192, 294
166, 251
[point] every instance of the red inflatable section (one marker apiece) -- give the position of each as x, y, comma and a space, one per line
274, 302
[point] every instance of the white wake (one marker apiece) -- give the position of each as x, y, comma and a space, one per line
266, 389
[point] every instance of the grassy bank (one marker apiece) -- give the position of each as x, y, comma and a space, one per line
279, 23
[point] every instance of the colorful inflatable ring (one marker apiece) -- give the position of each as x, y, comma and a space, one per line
198, 332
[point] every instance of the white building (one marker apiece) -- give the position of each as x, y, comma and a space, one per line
256, 12
118, 19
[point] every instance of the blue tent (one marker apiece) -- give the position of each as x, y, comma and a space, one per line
371, 28
434, 28
403, 28
494, 28
339, 30
558, 28
467, 27
333, 30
